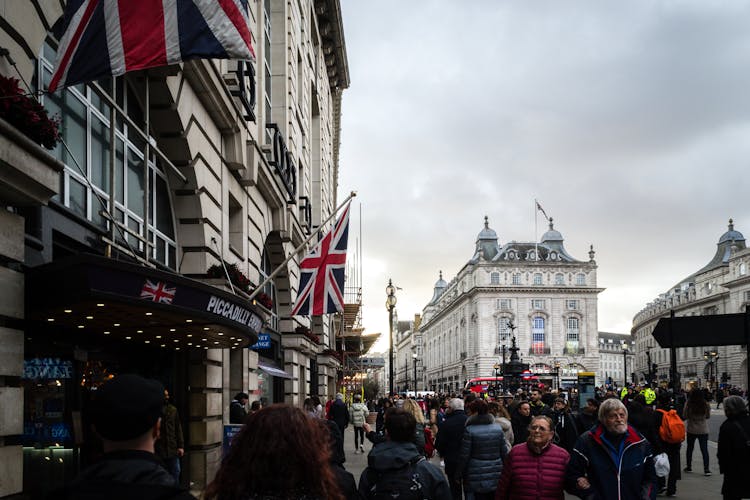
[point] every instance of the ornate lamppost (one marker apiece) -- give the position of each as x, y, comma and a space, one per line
390, 305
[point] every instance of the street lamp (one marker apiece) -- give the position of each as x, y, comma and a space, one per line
625, 364
390, 304
414, 357
711, 357
557, 374
496, 367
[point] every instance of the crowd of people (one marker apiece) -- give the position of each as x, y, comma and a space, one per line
528, 445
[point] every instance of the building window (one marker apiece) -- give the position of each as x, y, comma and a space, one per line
504, 304
494, 278
743, 269
559, 279
537, 278
269, 288
538, 343
516, 278
87, 191
580, 279
572, 337
503, 331
537, 304
571, 304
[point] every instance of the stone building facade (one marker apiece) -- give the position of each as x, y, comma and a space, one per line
169, 176
549, 297
615, 359
720, 287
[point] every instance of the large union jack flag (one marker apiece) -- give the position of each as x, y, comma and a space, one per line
157, 292
322, 273
112, 37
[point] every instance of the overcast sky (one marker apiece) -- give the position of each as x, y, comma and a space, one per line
628, 121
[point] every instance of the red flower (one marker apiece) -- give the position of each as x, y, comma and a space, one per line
27, 114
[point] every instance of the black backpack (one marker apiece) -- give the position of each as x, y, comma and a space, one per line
402, 483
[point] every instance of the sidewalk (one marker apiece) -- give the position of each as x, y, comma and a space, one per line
693, 485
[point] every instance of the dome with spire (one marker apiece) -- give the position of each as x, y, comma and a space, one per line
731, 234
551, 234
440, 286
487, 233
487, 247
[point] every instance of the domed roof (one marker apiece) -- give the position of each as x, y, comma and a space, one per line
551, 235
487, 233
440, 286
731, 234
441, 283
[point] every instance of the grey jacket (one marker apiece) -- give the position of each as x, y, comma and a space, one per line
696, 423
357, 414
483, 450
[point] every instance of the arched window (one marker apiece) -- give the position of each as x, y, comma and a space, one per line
580, 279
572, 336
86, 184
494, 278
516, 278
559, 279
538, 341
537, 278
503, 331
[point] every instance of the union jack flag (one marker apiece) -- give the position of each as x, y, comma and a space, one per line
157, 292
321, 281
112, 37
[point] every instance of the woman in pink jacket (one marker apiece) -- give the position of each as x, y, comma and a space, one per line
534, 469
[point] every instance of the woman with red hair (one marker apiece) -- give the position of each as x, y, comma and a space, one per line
280, 454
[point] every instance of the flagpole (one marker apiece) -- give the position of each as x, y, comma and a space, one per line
296, 250
536, 229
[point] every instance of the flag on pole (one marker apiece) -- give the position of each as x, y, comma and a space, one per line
321, 286
112, 37
539, 207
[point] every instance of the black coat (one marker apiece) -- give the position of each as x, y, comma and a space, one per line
520, 428
566, 432
124, 475
734, 456
449, 436
237, 412
339, 413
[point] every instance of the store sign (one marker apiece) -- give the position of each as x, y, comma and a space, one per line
234, 312
47, 368
264, 342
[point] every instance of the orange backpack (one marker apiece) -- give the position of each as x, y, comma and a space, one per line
672, 429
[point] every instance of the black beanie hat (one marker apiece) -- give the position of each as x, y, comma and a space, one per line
126, 407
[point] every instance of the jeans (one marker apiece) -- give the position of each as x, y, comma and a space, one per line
359, 437
173, 467
703, 443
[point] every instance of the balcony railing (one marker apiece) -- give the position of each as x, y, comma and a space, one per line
539, 350
574, 350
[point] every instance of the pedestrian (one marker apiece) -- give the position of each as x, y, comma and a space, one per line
237, 411
339, 413
385, 403
125, 413
318, 406
280, 453
534, 470
483, 450
565, 431
344, 478
396, 469
357, 416
612, 460
588, 416
448, 443
502, 417
734, 449
668, 484
538, 407
696, 413
521, 420
170, 446
420, 439
255, 406
643, 418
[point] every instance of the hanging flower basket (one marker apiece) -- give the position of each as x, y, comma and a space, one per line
27, 114
238, 279
265, 300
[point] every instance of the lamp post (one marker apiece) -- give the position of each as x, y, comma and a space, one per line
497, 367
711, 357
624, 364
414, 357
557, 374
390, 304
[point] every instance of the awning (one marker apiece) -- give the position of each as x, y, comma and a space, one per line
273, 371
91, 294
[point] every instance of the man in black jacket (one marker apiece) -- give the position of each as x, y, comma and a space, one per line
339, 413
126, 414
448, 443
237, 411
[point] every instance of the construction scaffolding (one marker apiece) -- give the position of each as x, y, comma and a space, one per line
351, 341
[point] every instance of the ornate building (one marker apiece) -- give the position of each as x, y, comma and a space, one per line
134, 247
548, 296
720, 287
615, 359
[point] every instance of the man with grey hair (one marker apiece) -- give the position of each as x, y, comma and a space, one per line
448, 443
612, 460
734, 449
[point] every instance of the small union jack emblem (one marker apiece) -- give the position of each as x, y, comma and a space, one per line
157, 292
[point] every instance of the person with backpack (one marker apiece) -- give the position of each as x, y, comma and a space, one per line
396, 469
671, 435
696, 413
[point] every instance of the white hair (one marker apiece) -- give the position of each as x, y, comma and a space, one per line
608, 406
456, 404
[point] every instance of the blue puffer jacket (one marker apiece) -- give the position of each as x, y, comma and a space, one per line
613, 474
483, 450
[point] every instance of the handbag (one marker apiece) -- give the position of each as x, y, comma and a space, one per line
661, 464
